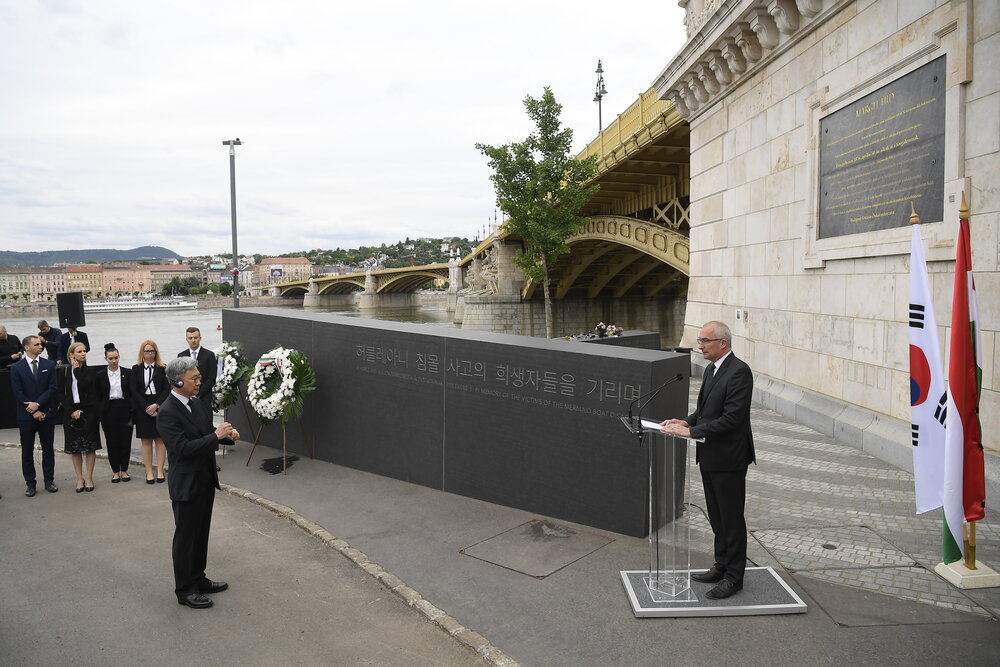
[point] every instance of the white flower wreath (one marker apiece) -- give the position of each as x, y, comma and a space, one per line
233, 367
280, 380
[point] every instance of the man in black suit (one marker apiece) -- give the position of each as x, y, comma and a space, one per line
191, 440
207, 364
33, 382
10, 348
50, 339
722, 418
71, 336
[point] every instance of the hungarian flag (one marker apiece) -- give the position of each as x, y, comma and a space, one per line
964, 472
927, 388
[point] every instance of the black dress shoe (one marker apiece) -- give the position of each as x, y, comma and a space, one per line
209, 586
88, 489
115, 480
126, 478
30, 491
79, 489
160, 480
195, 601
51, 487
710, 576
724, 590
150, 481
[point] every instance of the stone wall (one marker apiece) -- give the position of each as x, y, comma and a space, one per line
508, 314
829, 316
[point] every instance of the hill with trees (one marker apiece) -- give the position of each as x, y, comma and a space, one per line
85, 256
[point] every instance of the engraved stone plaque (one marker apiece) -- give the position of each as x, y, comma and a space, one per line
882, 152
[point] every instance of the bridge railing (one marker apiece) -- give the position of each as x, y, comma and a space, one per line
642, 112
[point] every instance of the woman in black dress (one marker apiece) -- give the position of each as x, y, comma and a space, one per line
116, 413
81, 416
149, 389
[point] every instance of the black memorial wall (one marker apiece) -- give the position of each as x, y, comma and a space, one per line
519, 421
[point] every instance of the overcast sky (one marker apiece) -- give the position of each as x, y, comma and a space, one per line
359, 119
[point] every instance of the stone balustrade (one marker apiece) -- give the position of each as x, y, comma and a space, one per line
728, 41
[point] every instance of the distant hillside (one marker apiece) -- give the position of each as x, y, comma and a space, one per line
46, 258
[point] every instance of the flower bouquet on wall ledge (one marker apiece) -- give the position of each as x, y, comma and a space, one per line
607, 330
278, 385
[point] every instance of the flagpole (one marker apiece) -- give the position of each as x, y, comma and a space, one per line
964, 487
970, 547
969, 531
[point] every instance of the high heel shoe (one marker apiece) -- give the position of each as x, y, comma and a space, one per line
161, 480
79, 489
88, 489
115, 480
150, 481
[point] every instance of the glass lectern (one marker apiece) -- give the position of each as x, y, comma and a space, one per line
669, 556
668, 578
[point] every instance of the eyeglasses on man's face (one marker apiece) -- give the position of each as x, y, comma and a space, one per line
702, 341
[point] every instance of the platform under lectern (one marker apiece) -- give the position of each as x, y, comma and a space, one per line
665, 588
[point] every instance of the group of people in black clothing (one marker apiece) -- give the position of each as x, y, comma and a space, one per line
91, 399
152, 397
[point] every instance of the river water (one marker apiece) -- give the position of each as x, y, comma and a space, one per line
128, 330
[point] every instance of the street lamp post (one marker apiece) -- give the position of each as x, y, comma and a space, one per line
233, 143
601, 92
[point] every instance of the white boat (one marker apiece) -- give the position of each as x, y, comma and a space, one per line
127, 304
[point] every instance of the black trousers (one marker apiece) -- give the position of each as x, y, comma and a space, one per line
116, 422
192, 522
725, 496
46, 431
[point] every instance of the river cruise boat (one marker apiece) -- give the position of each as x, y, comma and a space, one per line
129, 304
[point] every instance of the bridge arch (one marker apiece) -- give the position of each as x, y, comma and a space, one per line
620, 256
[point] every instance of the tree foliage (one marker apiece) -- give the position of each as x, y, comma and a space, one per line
542, 189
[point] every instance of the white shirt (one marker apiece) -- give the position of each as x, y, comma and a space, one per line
147, 379
115, 382
183, 399
76, 386
194, 353
718, 362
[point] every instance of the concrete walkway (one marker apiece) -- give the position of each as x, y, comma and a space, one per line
85, 578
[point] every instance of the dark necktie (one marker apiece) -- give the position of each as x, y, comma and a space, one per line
709, 374
34, 368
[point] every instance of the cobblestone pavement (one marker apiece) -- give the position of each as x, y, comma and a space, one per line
831, 512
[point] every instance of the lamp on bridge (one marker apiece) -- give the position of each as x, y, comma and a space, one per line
233, 143
601, 92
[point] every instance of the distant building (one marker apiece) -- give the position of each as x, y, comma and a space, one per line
46, 282
161, 274
121, 279
15, 283
86, 278
274, 270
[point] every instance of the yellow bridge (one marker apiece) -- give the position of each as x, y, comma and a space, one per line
634, 244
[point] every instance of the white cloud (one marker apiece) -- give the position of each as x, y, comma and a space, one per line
359, 120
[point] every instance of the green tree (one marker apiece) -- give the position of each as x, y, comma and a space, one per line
225, 289
542, 189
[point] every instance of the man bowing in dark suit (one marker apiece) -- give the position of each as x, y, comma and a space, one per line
722, 418
207, 364
191, 440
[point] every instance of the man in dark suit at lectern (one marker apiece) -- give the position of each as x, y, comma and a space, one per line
191, 440
722, 418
